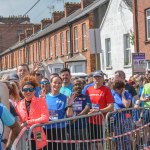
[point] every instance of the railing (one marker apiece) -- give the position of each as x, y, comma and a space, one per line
125, 129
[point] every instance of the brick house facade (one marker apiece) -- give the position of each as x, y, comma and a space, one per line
141, 11
62, 41
10, 28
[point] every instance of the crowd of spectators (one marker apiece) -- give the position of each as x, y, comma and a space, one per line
33, 98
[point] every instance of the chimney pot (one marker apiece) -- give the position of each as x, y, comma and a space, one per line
28, 32
45, 22
71, 7
21, 36
36, 27
85, 3
57, 15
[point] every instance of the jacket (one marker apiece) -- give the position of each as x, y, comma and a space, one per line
38, 114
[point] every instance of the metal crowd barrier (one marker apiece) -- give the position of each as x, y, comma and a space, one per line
74, 133
125, 129
128, 129
21, 142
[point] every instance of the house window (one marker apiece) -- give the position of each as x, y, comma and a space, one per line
20, 57
127, 50
56, 46
33, 53
84, 36
75, 39
62, 43
50, 47
108, 52
78, 68
148, 65
148, 23
68, 41
39, 51
45, 48
57, 70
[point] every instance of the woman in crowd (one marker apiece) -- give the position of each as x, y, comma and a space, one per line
13, 97
57, 105
45, 87
32, 110
122, 100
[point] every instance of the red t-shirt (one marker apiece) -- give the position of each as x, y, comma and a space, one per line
101, 96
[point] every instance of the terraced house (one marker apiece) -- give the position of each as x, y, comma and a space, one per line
67, 39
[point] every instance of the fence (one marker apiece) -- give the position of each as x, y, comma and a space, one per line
21, 142
126, 129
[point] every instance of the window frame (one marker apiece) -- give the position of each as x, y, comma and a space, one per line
56, 45
50, 47
68, 41
147, 26
127, 49
108, 52
76, 44
84, 43
62, 43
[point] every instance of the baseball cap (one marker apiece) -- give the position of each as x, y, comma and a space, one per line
13, 76
98, 74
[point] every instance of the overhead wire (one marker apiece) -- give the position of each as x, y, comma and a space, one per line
20, 18
24, 15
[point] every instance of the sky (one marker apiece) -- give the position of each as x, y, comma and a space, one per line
40, 11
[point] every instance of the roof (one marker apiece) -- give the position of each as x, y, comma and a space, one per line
128, 3
78, 57
89, 8
64, 21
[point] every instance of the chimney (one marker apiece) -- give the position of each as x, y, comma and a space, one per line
85, 3
28, 32
71, 7
45, 22
36, 27
21, 36
57, 15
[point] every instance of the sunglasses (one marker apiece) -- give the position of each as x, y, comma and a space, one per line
28, 89
45, 82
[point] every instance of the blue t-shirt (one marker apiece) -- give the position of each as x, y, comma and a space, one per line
78, 106
118, 99
57, 105
66, 90
119, 105
86, 87
7, 119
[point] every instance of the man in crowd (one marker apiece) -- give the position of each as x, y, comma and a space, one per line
22, 71
66, 88
102, 100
